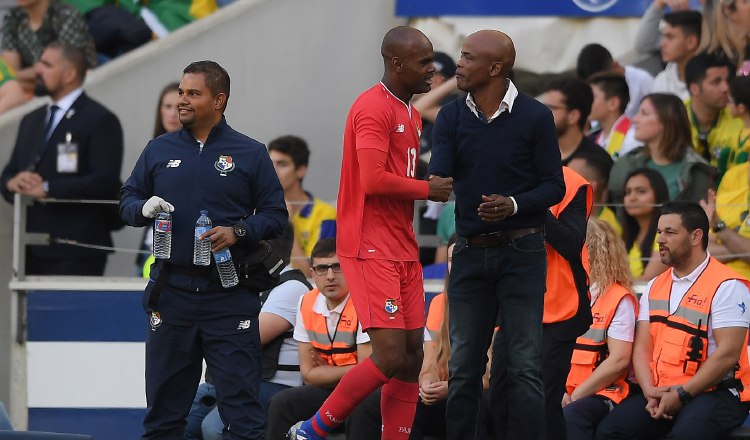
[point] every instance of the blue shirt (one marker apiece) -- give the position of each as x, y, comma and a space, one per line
515, 155
231, 176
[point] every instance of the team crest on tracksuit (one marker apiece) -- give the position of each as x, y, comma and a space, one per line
155, 320
391, 306
224, 165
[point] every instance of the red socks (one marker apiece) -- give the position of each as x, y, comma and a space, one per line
398, 403
355, 386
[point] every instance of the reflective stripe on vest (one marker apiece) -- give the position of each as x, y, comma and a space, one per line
342, 350
680, 339
591, 348
561, 299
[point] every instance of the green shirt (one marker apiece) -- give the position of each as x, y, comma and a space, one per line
671, 175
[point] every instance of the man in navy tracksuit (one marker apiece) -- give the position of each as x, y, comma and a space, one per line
210, 166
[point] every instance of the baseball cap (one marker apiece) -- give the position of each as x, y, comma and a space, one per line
444, 65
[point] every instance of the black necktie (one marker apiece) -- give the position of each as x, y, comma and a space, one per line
47, 131
48, 128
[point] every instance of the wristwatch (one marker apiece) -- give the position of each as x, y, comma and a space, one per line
239, 230
684, 396
719, 227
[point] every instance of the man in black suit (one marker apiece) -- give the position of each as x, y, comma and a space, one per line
69, 149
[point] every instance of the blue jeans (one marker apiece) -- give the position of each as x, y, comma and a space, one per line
510, 279
212, 425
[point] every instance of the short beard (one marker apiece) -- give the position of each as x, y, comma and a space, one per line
40, 89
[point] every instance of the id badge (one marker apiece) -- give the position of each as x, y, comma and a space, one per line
67, 156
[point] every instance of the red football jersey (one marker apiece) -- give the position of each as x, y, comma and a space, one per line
370, 226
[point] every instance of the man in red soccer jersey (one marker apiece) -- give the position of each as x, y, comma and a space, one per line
377, 248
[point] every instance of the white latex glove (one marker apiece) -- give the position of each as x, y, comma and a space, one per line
155, 205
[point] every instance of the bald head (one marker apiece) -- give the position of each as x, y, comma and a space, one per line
401, 42
496, 46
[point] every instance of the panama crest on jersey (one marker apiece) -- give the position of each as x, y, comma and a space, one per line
391, 306
224, 164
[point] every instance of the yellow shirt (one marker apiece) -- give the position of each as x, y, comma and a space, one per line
721, 137
608, 216
732, 208
637, 265
314, 221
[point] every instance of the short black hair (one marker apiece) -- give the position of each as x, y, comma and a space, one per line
593, 58
216, 78
323, 249
74, 55
687, 21
696, 68
739, 87
692, 215
597, 162
294, 147
612, 84
577, 93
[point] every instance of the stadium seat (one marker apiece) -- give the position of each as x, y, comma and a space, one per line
32, 435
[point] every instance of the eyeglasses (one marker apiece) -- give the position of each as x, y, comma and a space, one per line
322, 269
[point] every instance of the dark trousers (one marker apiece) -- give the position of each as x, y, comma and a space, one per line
301, 403
708, 416
509, 279
221, 327
92, 266
583, 416
556, 355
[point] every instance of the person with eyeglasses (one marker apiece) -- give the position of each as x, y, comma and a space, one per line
712, 126
329, 339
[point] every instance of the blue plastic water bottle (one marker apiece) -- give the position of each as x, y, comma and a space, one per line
224, 264
163, 235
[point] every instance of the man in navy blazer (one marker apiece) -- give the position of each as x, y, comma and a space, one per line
69, 149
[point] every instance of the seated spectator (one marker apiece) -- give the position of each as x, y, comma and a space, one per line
648, 38
595, 58
11, 91
662, 125
727, 210
599, 366
32, 25
596, 172
115, 26
280, 361
680, 37
645, 191
167, 121
313, 218
330, 341
739, 107
712, 125
727, 25
615, 132
690, 351
570, 100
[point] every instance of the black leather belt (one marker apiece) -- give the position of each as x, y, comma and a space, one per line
501, 238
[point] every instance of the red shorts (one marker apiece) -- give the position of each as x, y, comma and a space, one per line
386, 294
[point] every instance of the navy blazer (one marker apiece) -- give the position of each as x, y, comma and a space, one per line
98, 134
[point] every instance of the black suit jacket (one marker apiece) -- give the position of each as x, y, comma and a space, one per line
98, 134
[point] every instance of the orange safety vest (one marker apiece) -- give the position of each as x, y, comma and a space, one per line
561, 299
591, 347
680, 339
435, 315
342, 348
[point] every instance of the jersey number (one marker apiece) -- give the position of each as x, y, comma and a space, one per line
411, 162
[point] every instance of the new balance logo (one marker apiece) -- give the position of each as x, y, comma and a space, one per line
174, 163
244, 325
